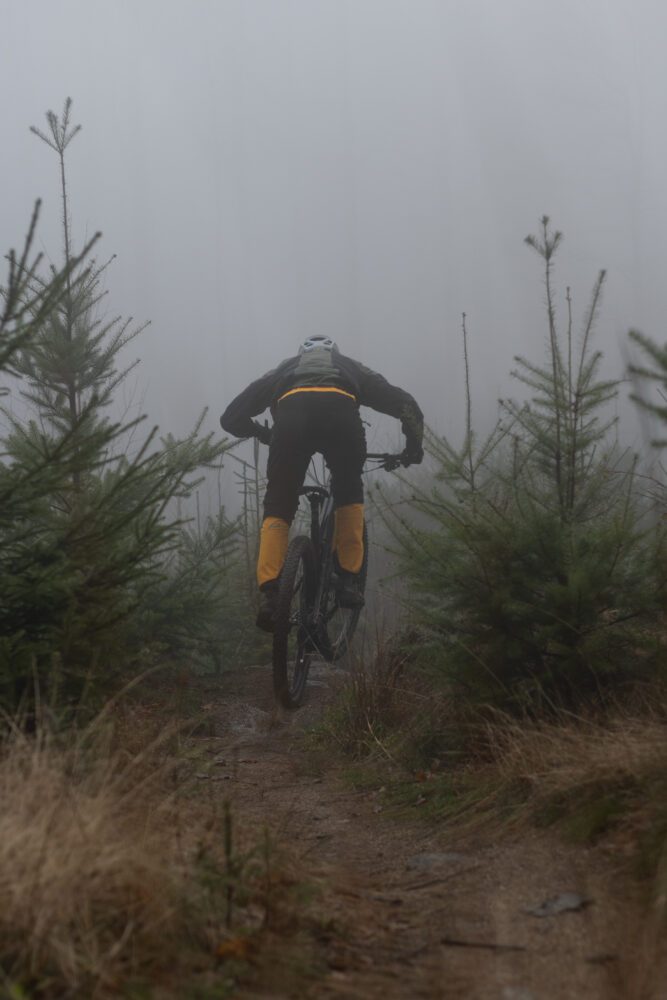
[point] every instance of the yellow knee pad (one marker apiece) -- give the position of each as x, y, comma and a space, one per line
272, 549
349, 537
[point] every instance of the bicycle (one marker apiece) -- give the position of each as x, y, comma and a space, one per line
309, 619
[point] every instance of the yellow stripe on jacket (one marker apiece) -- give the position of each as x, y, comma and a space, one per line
317, 388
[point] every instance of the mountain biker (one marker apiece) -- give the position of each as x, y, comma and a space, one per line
314, 399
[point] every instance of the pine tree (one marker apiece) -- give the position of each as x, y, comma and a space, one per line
653, 371
105, 523
200, 614
31, 583
529, 556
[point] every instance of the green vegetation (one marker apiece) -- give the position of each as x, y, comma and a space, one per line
99, 574
536, 573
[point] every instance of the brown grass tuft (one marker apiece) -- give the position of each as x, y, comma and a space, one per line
90, 874
568, 754
386, 709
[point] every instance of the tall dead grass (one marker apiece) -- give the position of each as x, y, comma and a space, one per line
386, 709
116, 873
598, 776
554, 758
121, 874
92, 880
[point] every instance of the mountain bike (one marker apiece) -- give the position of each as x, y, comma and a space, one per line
309, 619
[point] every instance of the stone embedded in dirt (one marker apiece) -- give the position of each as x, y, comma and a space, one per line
565, 902
517, 993
426, 862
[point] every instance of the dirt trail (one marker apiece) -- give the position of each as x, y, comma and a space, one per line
418, 913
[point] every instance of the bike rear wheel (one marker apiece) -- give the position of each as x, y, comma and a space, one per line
292, 641
338, 624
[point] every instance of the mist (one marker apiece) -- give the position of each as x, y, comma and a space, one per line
201, 719
364, 169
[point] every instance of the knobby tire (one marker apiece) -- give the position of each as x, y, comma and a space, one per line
292, 644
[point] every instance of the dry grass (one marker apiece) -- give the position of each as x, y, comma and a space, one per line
558, 757
594, 776
376, 705
118, 874
91, 877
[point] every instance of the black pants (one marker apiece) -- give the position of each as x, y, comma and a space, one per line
307, 423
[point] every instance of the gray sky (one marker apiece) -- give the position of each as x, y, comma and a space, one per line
265, 169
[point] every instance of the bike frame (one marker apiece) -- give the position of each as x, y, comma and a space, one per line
322, 523
321, 535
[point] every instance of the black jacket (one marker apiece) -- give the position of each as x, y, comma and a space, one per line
323, 368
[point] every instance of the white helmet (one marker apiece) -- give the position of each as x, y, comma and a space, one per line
318, 340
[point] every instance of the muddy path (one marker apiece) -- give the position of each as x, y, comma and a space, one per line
415, 910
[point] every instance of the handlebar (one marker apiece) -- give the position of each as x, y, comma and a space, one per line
387, 461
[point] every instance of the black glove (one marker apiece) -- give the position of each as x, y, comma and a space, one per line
412, 425
263, 432
412, 454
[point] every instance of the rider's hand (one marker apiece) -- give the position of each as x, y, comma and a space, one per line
412, 454
262, 432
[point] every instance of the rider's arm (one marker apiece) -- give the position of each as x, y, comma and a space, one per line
380, 395
237, 418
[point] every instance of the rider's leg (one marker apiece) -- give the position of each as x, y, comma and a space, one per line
349, 537
289, 455
345, 455
290, 452
272, 549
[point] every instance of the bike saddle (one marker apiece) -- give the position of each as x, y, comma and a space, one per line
314, 491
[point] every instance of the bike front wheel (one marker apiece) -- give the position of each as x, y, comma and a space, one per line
292, 640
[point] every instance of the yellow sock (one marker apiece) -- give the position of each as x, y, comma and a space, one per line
350, 536
272, 549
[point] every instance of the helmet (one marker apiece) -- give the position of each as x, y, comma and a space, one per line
318, 340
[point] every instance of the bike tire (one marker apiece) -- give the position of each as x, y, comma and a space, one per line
292, 642
339, 624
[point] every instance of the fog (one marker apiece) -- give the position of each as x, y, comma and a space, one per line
265, 169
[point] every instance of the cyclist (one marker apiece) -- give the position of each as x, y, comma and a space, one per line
314, 399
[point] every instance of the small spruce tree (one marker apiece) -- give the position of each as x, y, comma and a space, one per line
105, 524
652, 371
529, 558
32, 584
